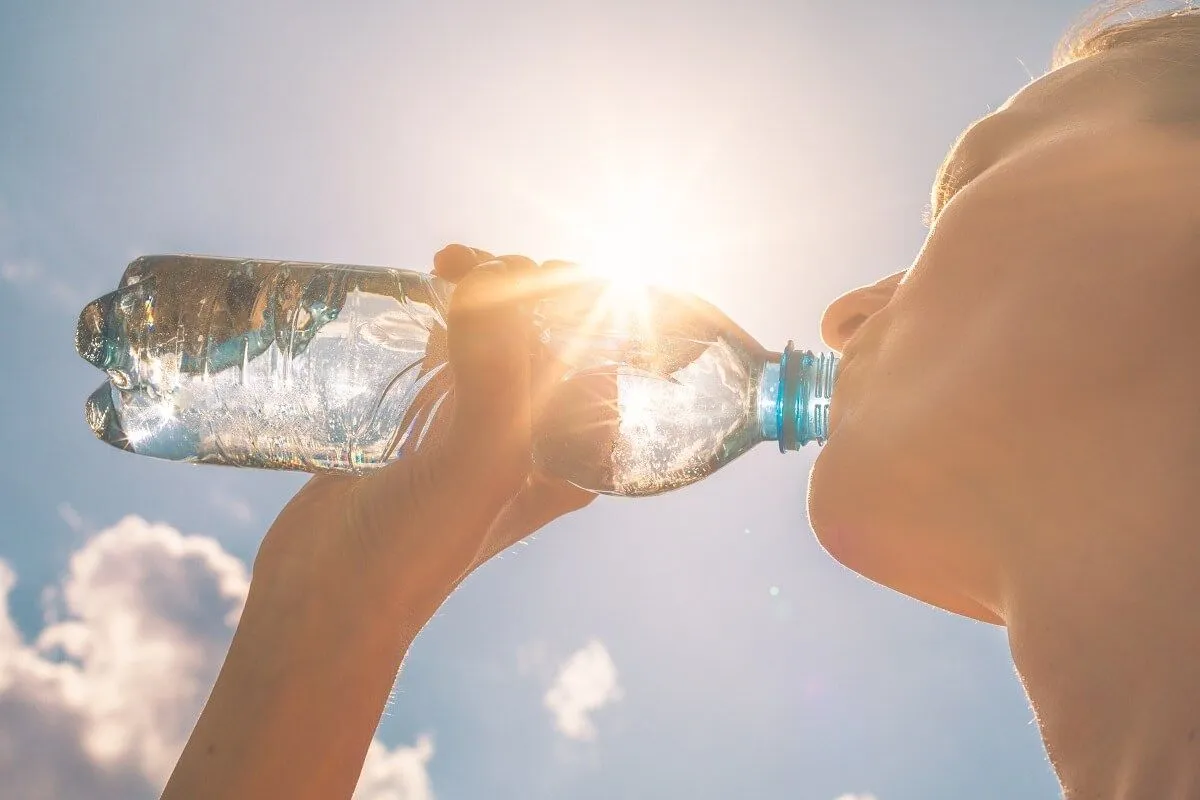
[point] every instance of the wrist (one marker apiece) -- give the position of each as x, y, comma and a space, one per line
312, 587
298, 605
305, 681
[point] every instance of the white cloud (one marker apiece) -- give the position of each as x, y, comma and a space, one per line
586, 682
857, 797
101, 703
31, 277
398, 774
148, 616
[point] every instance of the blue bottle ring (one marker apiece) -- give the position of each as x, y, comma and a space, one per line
791, 365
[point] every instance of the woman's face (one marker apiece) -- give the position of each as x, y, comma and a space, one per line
984, 390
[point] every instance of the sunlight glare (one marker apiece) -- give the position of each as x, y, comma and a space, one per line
636, 236
638, 409
638, 220
161, 413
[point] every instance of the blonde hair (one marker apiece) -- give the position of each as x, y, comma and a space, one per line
1166, 62
1121, 23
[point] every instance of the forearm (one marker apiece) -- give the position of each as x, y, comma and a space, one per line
298, 698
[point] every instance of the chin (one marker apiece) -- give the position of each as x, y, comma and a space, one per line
885, 528
841, 507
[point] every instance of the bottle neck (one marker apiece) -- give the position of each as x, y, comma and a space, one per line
794, 395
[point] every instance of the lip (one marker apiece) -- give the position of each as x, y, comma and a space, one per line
850, 346
837, 399
844, 360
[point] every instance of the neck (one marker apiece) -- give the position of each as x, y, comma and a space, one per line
1105, 633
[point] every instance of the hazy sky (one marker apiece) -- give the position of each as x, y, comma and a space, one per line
697, 645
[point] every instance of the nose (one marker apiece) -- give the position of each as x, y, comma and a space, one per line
846, 315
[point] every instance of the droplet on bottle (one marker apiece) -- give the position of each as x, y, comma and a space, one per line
245, 374
92, 341
102, 418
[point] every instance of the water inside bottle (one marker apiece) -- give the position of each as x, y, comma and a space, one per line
662, 391
268, 364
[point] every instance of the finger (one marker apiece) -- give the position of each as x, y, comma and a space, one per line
544, 499
548, 371
521, 266
522, 282
577, 430
556, 274
489, 356
454, 261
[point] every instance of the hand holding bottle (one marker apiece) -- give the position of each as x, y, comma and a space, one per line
414, 529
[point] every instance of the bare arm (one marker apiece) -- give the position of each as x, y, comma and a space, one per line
298, 698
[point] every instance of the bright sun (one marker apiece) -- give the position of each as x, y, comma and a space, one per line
632, 227
636, 220
636, 236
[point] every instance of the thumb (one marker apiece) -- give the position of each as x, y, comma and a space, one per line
488, 444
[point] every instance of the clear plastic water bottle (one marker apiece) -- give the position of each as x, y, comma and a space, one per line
334, 368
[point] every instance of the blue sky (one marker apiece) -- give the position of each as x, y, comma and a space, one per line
695, 645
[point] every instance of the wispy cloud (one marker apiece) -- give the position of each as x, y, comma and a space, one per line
857, 797
19, 273
533, 660
73, 519
33, 279
586, 682
101, 703
232, 506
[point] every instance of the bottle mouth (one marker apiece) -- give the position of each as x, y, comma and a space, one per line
805, 392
